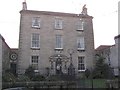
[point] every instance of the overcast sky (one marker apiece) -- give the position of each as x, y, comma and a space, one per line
105, 13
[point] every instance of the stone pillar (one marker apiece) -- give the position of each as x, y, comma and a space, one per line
52, 70
84, 10
24, 5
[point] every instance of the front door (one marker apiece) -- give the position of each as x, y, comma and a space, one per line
58, 66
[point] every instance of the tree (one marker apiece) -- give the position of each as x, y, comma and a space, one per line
101, 70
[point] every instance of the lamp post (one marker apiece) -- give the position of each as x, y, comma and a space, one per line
71, 68
71, 51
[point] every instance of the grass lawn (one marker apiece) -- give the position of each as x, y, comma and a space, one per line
97, 83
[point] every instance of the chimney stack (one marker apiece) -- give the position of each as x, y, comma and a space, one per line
24, 5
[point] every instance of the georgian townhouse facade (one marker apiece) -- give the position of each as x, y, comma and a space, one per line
54, 40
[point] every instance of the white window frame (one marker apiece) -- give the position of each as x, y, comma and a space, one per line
83, 63
80, 25
59, 42
81, 43
34, 64
36, 22
58, 23
37, 41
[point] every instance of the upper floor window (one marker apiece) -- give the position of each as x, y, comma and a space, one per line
59, 42
36, 22
34, 62
81, 63
35, 43
58, 23
80, 25
80, 43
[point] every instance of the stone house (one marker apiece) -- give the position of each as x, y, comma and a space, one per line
54, 40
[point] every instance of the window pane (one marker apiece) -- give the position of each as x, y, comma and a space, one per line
58, 41
81, 63
80, 43
34, 62
80, 25
35, 40
82, 67
36, 22
58, 24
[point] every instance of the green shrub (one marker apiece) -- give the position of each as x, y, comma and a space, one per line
8, 77
30, 72
38, 78
23, 78
54, 78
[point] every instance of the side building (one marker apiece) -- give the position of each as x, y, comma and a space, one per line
117, 46
4, 52
104, 50
54, 40
4, 58
111, 54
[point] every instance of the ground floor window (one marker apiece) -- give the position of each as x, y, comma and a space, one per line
34, 62
81, 63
